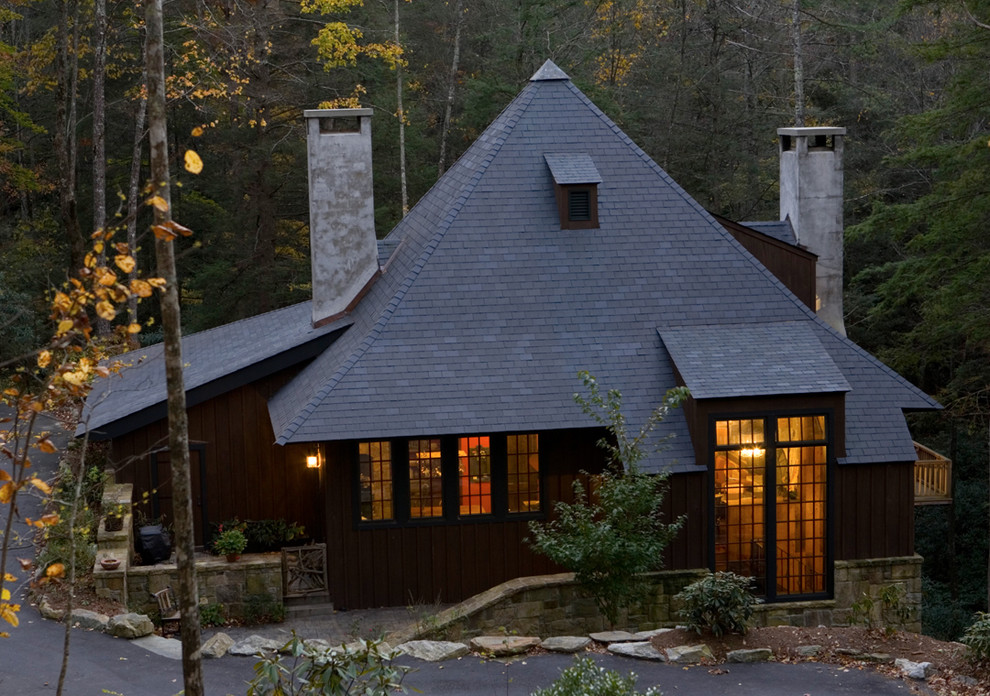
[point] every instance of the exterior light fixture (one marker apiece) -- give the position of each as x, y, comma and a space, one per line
313, 459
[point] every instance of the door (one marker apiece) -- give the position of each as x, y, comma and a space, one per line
162, 494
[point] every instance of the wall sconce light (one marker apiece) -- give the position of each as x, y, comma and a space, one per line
314, 459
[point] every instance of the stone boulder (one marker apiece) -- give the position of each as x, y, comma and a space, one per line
641, 650
254, 645
808, 650
217, 645
565, 644
913, 670
751, 655
130, 625
90, 620
689, 654
502, 646
646, 635
614, 637
433, 650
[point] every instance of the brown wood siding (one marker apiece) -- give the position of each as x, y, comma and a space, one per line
687, 494
247, 475
396, 565
874, 510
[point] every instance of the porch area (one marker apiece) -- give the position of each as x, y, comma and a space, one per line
932, 477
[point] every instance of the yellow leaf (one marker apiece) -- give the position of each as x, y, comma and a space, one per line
157, 283
197, 131
5, 594
194, 165
107, 277
64, 326
125, 262
141, 289
106, 310
44, 358
163, 232
158, 203
98, 247
41, 486
7, 577
133, 328
4, 476
6, 492
37, 406
47, 446
50, 519
8, 612
55, 570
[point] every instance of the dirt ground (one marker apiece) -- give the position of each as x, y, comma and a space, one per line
948, 659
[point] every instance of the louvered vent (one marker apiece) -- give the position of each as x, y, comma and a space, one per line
579, 204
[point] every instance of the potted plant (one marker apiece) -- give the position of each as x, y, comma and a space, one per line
114, 514
229, 542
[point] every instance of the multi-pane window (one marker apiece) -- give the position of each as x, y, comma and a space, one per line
523, 472
474, 457
425, 479
375, 464
770, 502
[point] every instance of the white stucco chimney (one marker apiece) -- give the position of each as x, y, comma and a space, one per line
811, 196
343, 246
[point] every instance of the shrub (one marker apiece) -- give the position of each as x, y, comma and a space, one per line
614, 535
720, 603
977, 638
229, 541
308, 669
212, 614
586, 678
885, 612
263, 535
263, 609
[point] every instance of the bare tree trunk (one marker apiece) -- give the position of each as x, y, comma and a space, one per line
402, 120
73, 512
65, 128
798, 66
454, 64
132, 207
178, 425
99, 133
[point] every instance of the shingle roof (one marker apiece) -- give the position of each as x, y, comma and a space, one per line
780, 230
488, 309
208, 356
573, 168
753, 359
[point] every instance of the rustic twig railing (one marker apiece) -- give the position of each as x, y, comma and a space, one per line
304, 570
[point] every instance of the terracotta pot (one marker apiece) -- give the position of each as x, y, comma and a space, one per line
231, 557
110, 563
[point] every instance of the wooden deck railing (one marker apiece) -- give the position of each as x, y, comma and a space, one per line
932, 477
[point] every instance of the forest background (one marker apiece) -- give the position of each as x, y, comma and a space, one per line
701, 85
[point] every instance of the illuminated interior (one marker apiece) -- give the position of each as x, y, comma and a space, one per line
792, 453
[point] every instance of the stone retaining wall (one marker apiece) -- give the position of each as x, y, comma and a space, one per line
551, 605
252, 584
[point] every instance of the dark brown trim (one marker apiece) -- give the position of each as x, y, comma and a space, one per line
562, 193
353, 303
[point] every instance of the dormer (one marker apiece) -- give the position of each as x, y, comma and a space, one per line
576, 180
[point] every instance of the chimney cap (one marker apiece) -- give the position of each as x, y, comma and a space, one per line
811, 130
336, 113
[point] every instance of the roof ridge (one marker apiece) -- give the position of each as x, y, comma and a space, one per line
505, 126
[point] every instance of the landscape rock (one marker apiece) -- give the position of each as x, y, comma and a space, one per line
84, 618
751, 655
642, 650
963, 680
808, 650
130, 625
254, 645
646, 635
565, 644
614, 637
217, 645
48, 611
501, 646
433, 650
849, 652
913, 670
881, 658
689, 654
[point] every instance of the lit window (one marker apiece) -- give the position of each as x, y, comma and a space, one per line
474, 458
523, 466
425, 479
376, 480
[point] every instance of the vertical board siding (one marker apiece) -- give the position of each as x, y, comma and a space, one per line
874, 510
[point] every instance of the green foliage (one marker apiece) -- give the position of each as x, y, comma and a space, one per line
585, 678
942, 616
885, 611
720, 603
230, 540
263, 535
263, 609
977, 638
212, 614
612, 536
367, 669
